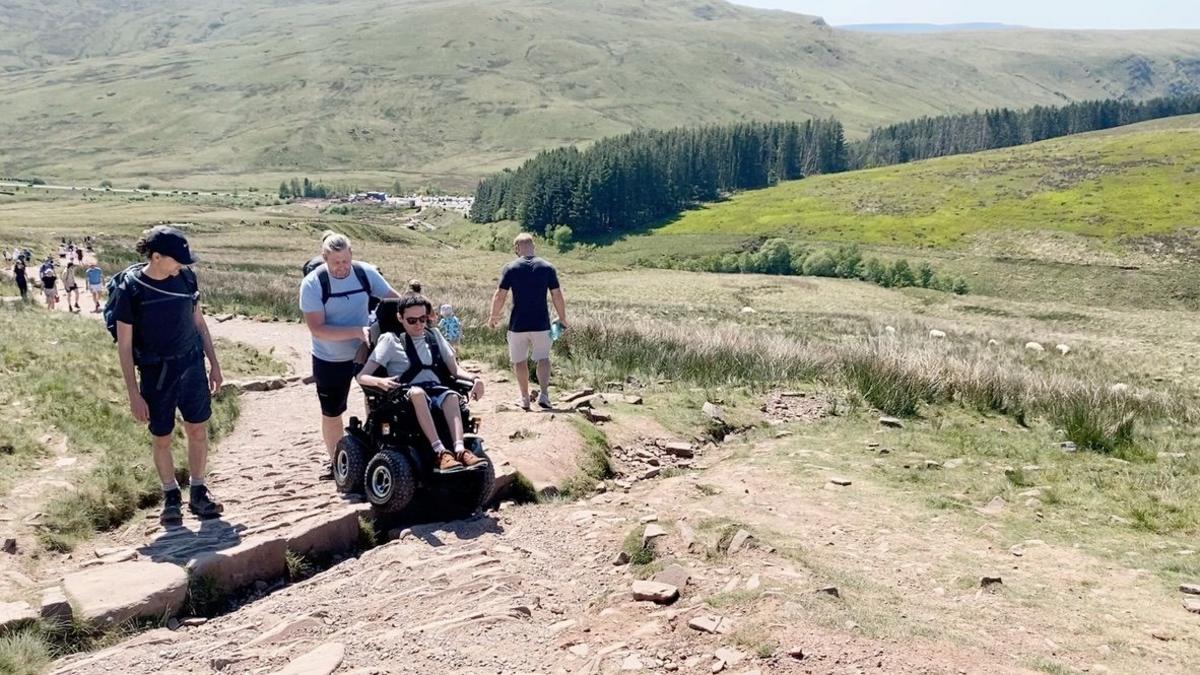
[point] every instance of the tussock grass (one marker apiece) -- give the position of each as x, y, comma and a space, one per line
596, 464
24, 652
896, 375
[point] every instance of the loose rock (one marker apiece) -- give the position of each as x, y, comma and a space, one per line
663, 594
738, 541
893, 422
990, 581
708, 623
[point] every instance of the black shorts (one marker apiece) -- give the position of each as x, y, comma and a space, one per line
177, 384
333, 380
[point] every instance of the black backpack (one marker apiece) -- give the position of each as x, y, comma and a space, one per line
127, 281
327, 291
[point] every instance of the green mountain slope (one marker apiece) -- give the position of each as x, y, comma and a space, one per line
457, 88
1133, 181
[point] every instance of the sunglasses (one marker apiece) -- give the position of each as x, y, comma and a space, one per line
414, 320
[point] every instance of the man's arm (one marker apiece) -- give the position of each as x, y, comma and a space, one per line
214, 372
560, 306
137, 405
498, 299
316, 326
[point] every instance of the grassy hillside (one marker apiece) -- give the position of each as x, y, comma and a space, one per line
225, 93
1112, 185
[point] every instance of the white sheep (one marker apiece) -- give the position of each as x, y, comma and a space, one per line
1119, 388
1063, 349
1034, 347
937, 334
993, 343
891, 330
748, 310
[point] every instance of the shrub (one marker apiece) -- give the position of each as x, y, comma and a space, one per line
106, 183
820, 264
562, 237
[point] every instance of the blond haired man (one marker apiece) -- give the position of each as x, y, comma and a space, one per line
529, 278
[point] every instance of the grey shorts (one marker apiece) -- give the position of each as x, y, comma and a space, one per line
522, 345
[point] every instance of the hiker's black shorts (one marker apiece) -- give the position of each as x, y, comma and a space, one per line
179, 384
333, 380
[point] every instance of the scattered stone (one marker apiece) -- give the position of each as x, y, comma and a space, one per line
753, 583
622, 558
55, 605
1067, 446
990, 581
994, 507
713, 411
830, 590
579, 650
1192, 605
652, 472
680, 449
8, 545
708, 623
931, 464
674, 575
113, 594
738, 541
731, 657
837, 480
597, 416
321, 661
1190, 589
663, 594
194, 621
632, 399
631, 663
15, 614
649, 518
953, 463
577, 395
173, 624
652, 532
893, 422
796, 652
686, 534
1017, 550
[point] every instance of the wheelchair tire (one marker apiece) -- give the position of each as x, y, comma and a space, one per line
389, 481
349, 465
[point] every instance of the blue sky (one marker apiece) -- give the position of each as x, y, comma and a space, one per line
1121, 14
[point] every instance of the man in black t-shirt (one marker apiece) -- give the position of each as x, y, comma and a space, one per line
529, 278
19, 275
161, 331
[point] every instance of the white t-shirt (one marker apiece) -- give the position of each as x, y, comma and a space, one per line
389, 353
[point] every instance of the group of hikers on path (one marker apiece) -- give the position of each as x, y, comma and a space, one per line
48, 276
155, 313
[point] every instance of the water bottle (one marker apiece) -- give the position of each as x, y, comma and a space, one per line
556, 331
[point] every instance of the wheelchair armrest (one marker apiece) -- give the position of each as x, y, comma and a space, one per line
462, 385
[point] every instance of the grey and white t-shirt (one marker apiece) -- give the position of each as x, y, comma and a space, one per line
389, 353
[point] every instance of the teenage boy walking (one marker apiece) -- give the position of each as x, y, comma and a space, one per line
161, 331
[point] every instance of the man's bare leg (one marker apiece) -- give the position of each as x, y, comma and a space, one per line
521, 370
543, 376
163, 462
331, 432
450, 408
197, 445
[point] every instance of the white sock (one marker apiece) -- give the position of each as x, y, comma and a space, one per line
174, 485
438, 448
195, 481
459, 447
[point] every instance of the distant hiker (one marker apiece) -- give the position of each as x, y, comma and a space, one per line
529, 278
160, 329
450, 326
334, 297
419, 358
49, 280
71, 286
79, 254
95, 284
19, 274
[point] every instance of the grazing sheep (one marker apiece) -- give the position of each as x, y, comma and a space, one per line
1063, 349
937, 334
993, 343
1034, 347
890, 329
1119, 388
748, 310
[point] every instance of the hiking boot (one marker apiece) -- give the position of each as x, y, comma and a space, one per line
172, 513
523, 403
201, 503
470, 459
544, 401
447, 464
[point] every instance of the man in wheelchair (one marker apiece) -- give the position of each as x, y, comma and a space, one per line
421, 366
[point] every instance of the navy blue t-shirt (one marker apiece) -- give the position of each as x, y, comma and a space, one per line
529, 279
164, 326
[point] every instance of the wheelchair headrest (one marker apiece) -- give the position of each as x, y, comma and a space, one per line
387, 317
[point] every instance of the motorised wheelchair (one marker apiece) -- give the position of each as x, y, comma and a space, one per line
387, 458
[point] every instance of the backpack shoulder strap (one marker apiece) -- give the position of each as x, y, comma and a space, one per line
363, 279
326, 289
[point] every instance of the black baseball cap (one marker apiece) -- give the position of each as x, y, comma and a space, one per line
170, 241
